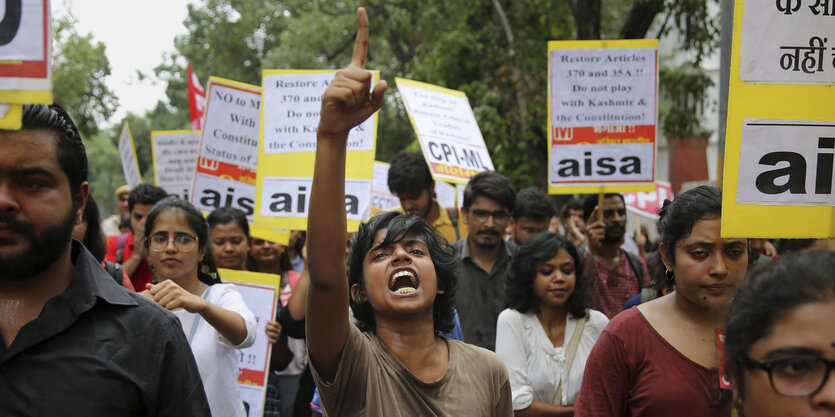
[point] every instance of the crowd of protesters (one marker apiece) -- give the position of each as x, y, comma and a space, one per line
510, 306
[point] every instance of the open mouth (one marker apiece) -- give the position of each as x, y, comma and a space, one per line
403, 282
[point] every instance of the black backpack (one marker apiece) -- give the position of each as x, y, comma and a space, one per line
114, 270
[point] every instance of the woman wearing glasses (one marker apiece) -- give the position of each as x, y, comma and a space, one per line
780, 343
214, 318
660, 358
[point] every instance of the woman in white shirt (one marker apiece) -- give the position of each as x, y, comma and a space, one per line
546, 334
214, 318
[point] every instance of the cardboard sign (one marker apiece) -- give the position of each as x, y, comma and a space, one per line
25, 54
602, 115
290, 117
788, 41
446, 129
11, 116
228, 156
778, 160
382, 199
260, 294
648, 203
174, 154
127, 152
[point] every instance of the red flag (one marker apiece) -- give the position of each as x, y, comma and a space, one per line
196, 100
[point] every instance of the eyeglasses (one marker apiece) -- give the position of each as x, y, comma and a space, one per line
500, 217
798, 376
158, 243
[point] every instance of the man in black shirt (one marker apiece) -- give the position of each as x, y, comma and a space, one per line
73, 341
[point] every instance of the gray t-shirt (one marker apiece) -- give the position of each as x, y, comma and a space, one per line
371, 381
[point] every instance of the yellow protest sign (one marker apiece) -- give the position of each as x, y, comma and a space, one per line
281, 237
602, 115
290, 109
260, 294
781, 125
25, 53
11, 116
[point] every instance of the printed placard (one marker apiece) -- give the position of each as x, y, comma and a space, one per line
228, 155
127, 152
292, 102
382, 199
290, 117
776, 182
25, 55
446, 129
260, 294
602, 115
11, 116
648, 203
174, 155
290, 197
445, 194
786, 162
788, 42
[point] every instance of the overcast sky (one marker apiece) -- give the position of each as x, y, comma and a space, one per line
136, 34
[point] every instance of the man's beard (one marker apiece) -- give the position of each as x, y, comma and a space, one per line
614, 235
42, 252
488, 244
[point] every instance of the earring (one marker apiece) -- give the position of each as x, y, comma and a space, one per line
669, 275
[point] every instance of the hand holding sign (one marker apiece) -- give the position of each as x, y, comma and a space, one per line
347, 101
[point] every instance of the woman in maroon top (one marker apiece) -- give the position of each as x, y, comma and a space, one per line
660, 358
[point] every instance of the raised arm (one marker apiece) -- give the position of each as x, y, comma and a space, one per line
345, 104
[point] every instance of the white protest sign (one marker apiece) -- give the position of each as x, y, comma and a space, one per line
260, 294
460, 188
602, 115
786, 162
445, 194
788, 41
127, 152
290, 197
292, 102
447, 130
228, 154
647, 203
382, 198
25, 56
174, 155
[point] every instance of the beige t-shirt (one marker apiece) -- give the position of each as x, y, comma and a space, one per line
371, 381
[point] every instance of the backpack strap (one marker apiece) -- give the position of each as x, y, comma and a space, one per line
453, 216
569, 355
635, 263
121, 241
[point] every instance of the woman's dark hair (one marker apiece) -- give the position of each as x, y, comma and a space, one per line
541, 248
93, 238
770, 294
398, 226
678, 217
226, 215
195, 221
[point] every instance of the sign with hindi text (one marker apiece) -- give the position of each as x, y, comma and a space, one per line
602, 115
780, 137
228, 153
174, 154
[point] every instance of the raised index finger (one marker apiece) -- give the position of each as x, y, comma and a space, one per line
361, 44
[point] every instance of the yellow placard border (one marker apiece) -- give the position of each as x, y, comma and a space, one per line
358, 165
13, 119
26, 96
770, 101
599, 44
249, 277
281, 237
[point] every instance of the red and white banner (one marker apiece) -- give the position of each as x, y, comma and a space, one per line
647, 203
196, 100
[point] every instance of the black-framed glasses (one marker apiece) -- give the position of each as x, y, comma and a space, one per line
185, 243
500, 217
796, 376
